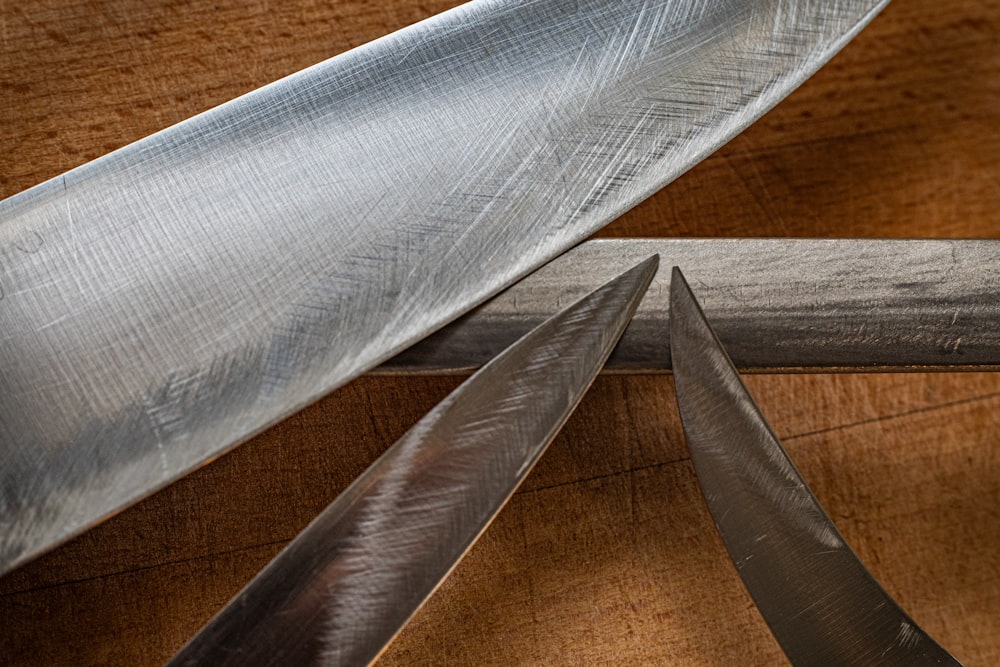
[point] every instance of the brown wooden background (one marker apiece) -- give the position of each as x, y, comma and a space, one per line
607, 555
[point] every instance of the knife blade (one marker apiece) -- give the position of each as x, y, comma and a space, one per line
167, 301
821, 603
340, 592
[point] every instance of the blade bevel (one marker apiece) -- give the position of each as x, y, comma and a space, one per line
819, 600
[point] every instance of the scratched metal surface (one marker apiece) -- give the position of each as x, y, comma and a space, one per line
821, 603
167, 301
347, 584
777, 304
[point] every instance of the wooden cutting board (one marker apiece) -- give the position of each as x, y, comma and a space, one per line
607, 555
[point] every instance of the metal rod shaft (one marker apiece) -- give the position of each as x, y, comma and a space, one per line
780, 305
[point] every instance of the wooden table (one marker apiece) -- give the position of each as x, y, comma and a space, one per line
607, 555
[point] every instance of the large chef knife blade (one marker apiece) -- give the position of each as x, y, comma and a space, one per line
167, 301
821, 603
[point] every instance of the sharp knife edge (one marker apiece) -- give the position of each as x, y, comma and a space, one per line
831, 305
169, 300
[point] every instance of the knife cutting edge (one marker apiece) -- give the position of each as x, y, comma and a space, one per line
340, 592
167, 301
821, 603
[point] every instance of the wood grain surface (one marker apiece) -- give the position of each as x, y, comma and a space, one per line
607, 555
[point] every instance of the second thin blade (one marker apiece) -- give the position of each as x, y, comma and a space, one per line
820, 602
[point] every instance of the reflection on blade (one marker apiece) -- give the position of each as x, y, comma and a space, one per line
344, 587
821, 603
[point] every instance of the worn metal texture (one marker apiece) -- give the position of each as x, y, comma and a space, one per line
778, 305
820, 602
349, 582
167, 301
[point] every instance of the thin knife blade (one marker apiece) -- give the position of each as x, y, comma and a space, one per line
167, 301
341, 591
820, 602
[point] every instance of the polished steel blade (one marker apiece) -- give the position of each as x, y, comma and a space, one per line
349, 582
778, 305
820, 602
168, 300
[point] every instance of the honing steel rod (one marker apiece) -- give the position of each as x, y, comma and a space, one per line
779, 305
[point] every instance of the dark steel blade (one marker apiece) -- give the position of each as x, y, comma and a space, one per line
820, 602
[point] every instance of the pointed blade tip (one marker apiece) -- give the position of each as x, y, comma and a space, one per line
636, 280
647, 268
685, 313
